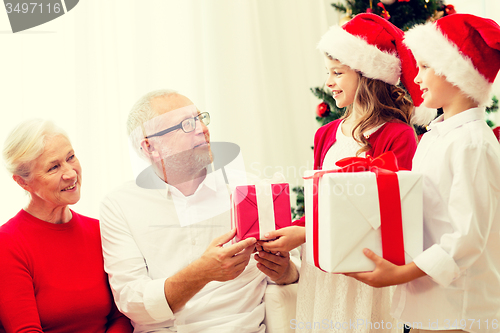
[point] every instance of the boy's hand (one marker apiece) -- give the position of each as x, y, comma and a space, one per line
386, 273
287, 239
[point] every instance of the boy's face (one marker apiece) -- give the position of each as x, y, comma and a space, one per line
437, 92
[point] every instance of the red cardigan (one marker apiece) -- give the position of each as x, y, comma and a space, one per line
52, 278
392, 136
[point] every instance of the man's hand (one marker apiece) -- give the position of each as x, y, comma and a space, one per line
277, 266
216, 264
220, 263
386, 273
288, 239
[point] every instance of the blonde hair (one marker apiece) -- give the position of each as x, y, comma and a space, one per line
378, 102
26, 143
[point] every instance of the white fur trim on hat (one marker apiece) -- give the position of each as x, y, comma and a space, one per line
428, 44
423, 115
359, 55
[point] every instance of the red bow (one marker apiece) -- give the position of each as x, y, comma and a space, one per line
386, 161
391, 228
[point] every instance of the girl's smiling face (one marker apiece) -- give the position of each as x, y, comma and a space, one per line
342, 82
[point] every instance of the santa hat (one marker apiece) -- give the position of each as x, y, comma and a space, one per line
374, 47
462, 47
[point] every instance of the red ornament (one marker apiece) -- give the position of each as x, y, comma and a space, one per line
385, 13
450, 9
496, 131
369, 10
323, 110
403, 0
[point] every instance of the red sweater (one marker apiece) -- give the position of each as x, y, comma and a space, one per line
393, 136
52, 278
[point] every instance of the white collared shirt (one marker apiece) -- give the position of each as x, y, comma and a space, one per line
460, 162
210, 199
144, 244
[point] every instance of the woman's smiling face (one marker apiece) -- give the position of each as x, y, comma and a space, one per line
56, 175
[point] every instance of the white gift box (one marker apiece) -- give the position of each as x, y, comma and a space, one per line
349, 219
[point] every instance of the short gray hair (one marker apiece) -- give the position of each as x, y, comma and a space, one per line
26, 143
141, 113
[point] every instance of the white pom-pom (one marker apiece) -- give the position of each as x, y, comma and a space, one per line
423, 116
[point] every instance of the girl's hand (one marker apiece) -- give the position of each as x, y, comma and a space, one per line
287, 239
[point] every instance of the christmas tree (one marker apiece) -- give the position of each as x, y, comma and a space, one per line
492, 109
403, 14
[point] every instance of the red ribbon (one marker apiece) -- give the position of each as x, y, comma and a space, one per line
391, 228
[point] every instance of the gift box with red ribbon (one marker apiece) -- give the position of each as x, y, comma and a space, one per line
365, 203
258, 209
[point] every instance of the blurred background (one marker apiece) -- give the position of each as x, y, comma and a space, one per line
250, 63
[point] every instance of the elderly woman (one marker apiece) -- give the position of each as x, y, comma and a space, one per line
52, 277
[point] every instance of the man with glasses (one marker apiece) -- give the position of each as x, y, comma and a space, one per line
163, 236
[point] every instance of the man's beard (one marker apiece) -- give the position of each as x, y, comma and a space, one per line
186, 165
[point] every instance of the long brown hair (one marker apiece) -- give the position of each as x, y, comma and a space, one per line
378, 102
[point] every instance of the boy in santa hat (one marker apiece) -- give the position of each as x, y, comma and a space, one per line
454, 285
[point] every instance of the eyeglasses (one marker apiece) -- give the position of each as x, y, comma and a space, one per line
187, 125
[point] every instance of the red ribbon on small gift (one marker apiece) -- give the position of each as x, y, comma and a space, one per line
391, 227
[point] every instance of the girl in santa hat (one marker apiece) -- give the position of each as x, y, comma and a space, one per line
454, 285
365, 59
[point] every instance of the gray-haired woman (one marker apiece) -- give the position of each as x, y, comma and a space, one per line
52, 276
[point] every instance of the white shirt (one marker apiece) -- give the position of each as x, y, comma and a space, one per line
144, 244
460, 162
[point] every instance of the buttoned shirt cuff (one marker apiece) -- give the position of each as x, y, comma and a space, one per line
438, 264
155, 302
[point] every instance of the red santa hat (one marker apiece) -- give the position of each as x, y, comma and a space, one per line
462, 47
374, 47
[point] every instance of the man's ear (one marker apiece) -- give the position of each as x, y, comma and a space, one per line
21, 182
148, 149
